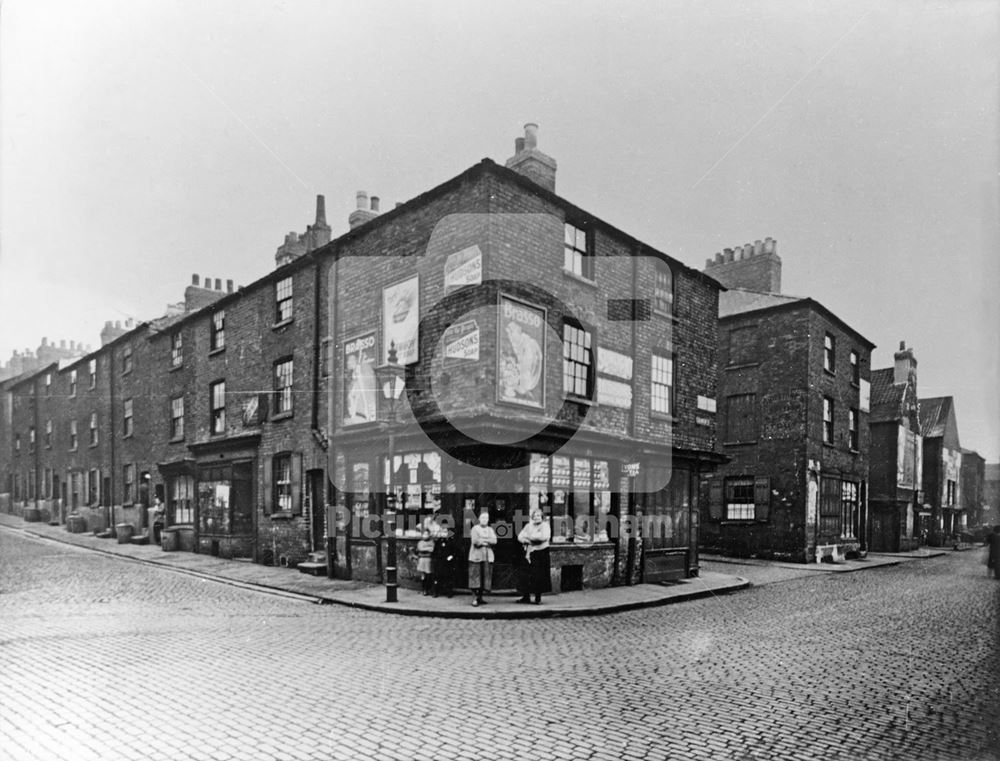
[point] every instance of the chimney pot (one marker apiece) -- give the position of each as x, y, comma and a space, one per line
118, 324
195, 280
320, 211
62, 342
375, 203
747, 250
208, 283
902, 345
45, 341
218, 284
727, 254
72, 345
719, 257
758, 247
518, 145
362, 198
530, 135
229, 286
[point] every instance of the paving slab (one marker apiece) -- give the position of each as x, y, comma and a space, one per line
322, 590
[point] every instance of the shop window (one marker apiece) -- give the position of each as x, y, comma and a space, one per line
417, 483
849, 509
830, 507
180, 500
575, 492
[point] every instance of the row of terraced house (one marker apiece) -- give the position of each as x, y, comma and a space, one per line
546, 359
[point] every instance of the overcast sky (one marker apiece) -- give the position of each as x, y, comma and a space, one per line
146, 141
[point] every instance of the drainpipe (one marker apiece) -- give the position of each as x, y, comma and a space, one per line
331, 458
111, 443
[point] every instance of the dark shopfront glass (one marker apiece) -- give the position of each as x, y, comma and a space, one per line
575, 492
225, 500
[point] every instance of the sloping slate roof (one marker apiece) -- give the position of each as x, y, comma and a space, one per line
934, 415
736, 301
887, 398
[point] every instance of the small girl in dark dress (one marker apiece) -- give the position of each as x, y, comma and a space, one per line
444, 562
425, 551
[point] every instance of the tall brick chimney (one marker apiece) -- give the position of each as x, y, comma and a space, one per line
530, 161
752, 267
905, 367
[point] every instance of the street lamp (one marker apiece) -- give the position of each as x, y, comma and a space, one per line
390, 379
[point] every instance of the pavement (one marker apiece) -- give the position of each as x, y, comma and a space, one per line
717, 576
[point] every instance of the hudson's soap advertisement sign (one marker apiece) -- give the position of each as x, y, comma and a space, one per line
521, 354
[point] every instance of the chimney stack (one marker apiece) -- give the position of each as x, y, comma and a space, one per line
531, 162
195, 280
905, 366
363, 213
750, 267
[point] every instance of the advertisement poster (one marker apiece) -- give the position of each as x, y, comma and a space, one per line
520, 354
359, 380
401, 320
461, 341
463, 268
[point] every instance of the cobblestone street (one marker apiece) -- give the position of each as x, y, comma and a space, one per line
103, 658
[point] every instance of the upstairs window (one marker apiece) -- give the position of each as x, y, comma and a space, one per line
283, 300
855, 368
283, 386
92, 370
93, 429
827, 420
218, 331
829, 349
72, 382
662, 386
176, 349
48, 433
217, 399
177, 418
17, 443
126, 359
578, 361
663, 289
73, 441
127, 418
31, 438
48, 384
576, 253
852, 427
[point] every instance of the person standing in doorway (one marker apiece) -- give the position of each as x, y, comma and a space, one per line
535, 538
481, 558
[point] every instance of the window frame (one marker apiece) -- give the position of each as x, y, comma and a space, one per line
658, 299
92, 372
597, 510
746, 511
283, 397
853, 429
180, 502
670, 357
829, 352
217, 331
176, 348
48, 433
281, 489
570, 362
850, 502
127, 359
176, 421
127, 419
281, 303
217, 414
829, 412
572, 253
74, 436
95, 437
72, 382
128, 483
855, 360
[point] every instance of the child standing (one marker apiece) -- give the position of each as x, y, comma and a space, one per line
425, 549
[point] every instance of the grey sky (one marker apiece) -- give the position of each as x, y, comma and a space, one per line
145, 141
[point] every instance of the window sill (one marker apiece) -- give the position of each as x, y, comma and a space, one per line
742, 366
582, 400
579, 278
128, 435
283, 323
662, 417
831, 373
665, 315
739, 443
213, 352
176, 440
279, 416
95, 444
283, 515
126, 372
175, 368
855, 384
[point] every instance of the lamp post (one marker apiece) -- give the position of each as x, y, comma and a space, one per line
390, 379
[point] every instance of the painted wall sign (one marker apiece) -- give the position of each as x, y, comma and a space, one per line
464, 267
612, 363
614, 393
461, 341
359, 380
520, 354
401, 320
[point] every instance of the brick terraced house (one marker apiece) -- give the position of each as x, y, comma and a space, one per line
793, 420
943, 514
551, 360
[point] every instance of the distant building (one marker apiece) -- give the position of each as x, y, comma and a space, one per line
896, 456
943, 511
793, 419
991, 493
29, 361
972, 487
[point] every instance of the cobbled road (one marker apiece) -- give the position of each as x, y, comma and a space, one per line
104, 658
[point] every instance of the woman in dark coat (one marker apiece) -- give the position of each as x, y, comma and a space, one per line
443, 562
993, 560
537, 578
